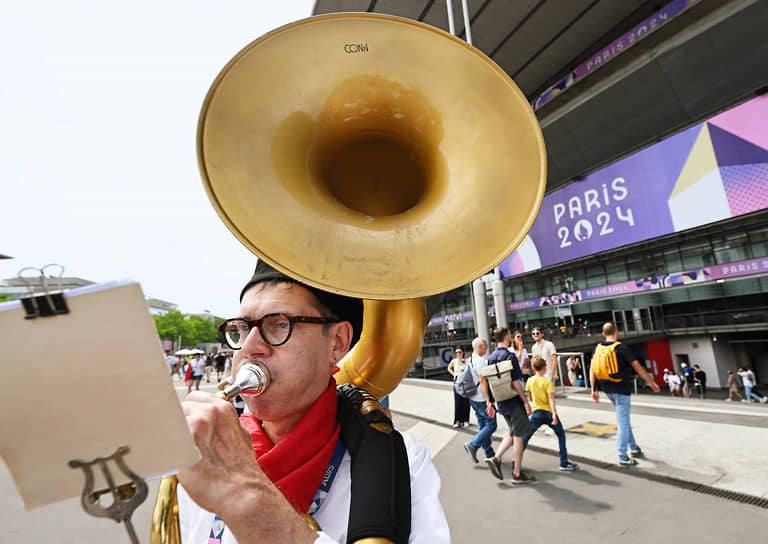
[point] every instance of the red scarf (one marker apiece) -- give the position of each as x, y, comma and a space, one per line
297, 464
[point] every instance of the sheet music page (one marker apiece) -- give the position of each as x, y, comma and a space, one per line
82, 384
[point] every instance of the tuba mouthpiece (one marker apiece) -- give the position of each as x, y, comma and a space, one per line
251, 380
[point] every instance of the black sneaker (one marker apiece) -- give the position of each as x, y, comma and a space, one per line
471, 451
569, 466
522, 479
494, 465
636, 452
627, 463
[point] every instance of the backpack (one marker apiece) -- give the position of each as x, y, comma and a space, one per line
605, 363
465, 384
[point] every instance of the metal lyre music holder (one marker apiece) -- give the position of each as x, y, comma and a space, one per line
126, 497
43, 303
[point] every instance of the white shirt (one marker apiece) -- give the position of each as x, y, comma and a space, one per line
477, 363
428, 523
747, 378
545, 349
520, 360
197, 366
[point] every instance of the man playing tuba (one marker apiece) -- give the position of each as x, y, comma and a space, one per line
291, 453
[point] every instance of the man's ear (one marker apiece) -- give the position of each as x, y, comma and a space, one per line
341, 339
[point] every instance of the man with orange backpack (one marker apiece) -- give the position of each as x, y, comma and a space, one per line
611, 369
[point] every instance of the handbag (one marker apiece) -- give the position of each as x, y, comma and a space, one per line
499, 377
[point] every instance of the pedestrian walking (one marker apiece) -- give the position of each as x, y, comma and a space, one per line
749, 381
611, 371
515, 412
733, 387
541, 392
196, 372
486, 423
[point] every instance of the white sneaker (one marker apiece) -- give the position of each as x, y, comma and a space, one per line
548, 431
764, 400
728, 400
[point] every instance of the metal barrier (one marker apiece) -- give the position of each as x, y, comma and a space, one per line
562, 374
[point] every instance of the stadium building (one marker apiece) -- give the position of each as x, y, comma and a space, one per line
653, 115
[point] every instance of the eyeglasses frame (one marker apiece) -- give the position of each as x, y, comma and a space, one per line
292, 320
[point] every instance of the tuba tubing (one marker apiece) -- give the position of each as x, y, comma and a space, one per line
377, 363
165, 514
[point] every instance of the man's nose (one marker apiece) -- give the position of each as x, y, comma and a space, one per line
255, 343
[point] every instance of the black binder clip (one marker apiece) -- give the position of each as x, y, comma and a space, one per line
43, 304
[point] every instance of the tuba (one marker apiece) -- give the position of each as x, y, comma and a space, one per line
372, 156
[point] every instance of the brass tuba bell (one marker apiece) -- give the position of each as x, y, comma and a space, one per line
376, 157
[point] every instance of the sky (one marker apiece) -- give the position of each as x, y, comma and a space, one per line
99, 104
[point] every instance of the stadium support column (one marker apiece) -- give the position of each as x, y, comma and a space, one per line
499, 304
481, 310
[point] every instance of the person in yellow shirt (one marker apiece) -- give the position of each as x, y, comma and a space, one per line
541, 392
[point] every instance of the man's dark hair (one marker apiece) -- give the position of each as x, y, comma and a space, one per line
500, 333
332, 305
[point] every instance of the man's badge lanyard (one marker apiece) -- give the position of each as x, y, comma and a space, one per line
217, 528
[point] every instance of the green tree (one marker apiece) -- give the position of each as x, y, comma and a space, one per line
192, 329
169, 326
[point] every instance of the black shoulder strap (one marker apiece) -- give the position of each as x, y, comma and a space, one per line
380, 506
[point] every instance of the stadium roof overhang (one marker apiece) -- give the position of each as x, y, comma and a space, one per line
708, 56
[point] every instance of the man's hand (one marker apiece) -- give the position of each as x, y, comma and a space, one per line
229, 481
490, 409
595, 395
643, 373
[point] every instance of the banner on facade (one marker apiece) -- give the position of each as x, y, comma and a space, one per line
712, 171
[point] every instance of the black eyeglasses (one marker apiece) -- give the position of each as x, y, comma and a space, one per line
275, 329
535, 333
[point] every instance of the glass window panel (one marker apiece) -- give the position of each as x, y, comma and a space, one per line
578, 278
635, 268
758, 242
696, 254
673, 261
616, 271
730, 248
517, 291
530, 289
596, 276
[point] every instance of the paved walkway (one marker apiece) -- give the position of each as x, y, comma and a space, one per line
709, 442
704, 442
